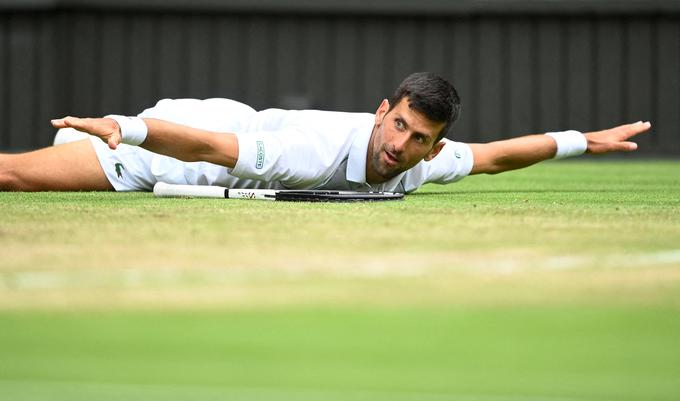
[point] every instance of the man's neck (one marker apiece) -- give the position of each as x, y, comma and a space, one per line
371, 176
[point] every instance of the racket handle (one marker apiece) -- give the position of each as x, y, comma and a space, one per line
254, 194
165, 190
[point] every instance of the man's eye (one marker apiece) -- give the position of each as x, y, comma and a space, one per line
420, 139
399, 124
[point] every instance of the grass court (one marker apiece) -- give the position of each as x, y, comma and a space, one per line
560, 282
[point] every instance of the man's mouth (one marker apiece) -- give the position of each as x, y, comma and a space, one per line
391, 159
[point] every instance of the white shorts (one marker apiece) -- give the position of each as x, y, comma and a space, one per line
132, 168
128, 168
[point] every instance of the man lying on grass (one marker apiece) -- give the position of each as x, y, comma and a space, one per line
226, 143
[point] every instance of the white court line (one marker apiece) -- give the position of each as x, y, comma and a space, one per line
623, 261
278, 394
131, 278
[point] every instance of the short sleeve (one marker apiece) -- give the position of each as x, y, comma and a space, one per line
452, 164
296, 159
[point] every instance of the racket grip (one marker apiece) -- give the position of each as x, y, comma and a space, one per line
165, 190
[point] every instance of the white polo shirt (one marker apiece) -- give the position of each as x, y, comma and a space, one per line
295, 149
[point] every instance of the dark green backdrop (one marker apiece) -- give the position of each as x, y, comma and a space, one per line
520, 66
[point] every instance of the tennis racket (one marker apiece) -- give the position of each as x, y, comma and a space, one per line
164, 190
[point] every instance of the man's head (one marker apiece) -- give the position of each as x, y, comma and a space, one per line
409, 128
432, 96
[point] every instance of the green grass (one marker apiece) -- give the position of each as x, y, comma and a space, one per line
560, 282
537, 353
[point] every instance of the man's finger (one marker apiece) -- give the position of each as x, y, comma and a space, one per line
628, 146
640, 126
70, 122
114, 141
59, 122
73, 122
630, 130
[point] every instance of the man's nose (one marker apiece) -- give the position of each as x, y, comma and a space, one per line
400, 142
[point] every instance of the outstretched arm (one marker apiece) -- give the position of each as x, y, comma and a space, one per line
497, 157
166, 138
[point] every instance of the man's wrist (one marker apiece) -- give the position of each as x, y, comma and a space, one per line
133, 130
569, 143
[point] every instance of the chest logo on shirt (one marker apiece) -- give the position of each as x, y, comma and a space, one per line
260, 155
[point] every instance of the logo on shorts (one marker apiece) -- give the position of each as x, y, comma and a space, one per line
260, 155
119, 169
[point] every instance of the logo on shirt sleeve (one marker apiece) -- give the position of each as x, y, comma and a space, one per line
260, 155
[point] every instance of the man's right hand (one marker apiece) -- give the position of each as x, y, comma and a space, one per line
105, 129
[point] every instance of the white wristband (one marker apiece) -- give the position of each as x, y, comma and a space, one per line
132, 129
569, 143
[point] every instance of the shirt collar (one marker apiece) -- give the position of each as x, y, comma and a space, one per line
392, 184
356, 161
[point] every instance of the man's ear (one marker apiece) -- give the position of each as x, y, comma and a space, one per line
434, 151
382, 110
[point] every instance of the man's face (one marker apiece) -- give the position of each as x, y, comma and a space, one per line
401, 138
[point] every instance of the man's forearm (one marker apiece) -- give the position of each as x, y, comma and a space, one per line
511, 154
159, 136
190, 144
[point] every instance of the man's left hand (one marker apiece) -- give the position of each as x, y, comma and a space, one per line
615, 139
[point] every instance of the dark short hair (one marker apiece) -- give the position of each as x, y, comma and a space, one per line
431, 95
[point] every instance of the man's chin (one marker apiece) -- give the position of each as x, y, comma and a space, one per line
388, 173
385, 172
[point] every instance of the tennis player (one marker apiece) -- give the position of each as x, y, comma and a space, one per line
224, 142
